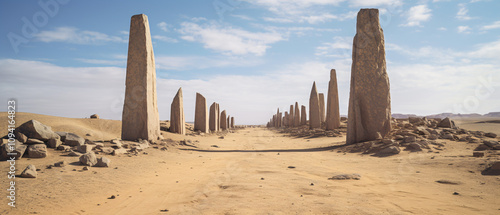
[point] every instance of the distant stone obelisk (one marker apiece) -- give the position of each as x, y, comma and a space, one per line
228, 123
278, 118
369, 115
332, 105
223, 120
296, 115
303, 115
322, 107
217, 109
140, 119
177, 122
314, 109
291, 117
201, 115
232, 122
213, 117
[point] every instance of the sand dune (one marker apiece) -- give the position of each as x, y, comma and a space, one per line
249, 172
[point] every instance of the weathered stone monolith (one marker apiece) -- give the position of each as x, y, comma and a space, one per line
332, 105
285, 119
213, 117
369, 115
223, 120
228, 122
303, 115
232, 122
291, 117
140, 119
314, 109
218, 116
322, 107
296, 115
278, 118
177, 122
201, 115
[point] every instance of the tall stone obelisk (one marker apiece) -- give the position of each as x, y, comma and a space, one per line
314, 109
201, 114
177, 121
369, 115
332, 104
140, 119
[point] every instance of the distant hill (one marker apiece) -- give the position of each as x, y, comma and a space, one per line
444, 115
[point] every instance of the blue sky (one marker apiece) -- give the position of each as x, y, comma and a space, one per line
68, 58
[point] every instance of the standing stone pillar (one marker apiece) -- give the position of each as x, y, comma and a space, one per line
201, 115
177, 122
232, 122
369, 115
314, 109
278, 119
303, 115
140, 119
217, 111
322, 107
332, 104
228, 124
223, 120
291, 117
213, 117
285, 119
296, 119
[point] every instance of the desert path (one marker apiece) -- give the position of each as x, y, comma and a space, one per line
248, 173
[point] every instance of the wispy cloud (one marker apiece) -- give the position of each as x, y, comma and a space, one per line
243, 17
463, 29
462, 12
229, 40
76, 36
202, 62
417, 14
494, 25
164, 26
375, 3
165, 39
339, 47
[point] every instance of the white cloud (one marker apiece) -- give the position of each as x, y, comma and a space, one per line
164, 26
463, 29
374, 3
442, 29
418, 14
201, 62
340, 47
103, 62
243, 17
494, 25
76, 36
229, 40
165, 39
462, 12
292, 7
489, 50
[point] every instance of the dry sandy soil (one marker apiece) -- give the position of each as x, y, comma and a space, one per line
248, 173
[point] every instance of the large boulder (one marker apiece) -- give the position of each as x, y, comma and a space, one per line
94, 116
74, 140
84, 148
103, 162
18, 149
37, 151
29, 172
54, 142
21, 137
62, 135
88, 159
446, 123
36, 130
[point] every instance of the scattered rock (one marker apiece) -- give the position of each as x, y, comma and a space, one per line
94, 116
103, 162
414, 147
63, 147
221, 137
444, 181
62, 135
61, 164
215, 146
107, 150
73, 140
54, 142
492, 144
88, 159
354, 176
86, 168
21, 137
84, 148
36, 130
490, 134
446, 123
410, 139
391, 150
33, 141
493, 169
18, 148
477, 154
29, 172
112, 197
37, 151
120, 151
291, 167
74, 154
117, 143
456, 194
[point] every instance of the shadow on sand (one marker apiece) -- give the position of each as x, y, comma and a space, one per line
318, 149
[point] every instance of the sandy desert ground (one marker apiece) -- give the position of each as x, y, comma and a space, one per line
249, 172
